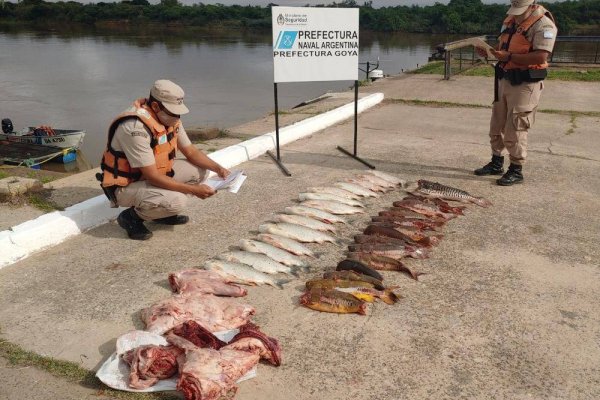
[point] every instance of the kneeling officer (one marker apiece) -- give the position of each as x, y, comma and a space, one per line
139, 166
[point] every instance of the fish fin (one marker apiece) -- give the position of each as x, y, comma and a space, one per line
280, 282
389, 297
410, 186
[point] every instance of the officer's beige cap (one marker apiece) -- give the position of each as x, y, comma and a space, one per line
170, 95
518, 7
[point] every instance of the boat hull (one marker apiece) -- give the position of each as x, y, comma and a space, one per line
65, 140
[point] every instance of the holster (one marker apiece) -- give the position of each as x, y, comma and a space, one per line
498, 74
109, 192
517, 76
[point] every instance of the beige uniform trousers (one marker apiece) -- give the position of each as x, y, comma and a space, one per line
151, 202
512, 116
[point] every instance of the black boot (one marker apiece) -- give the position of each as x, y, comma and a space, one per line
134, 225
494, 167
512, 176
173, 220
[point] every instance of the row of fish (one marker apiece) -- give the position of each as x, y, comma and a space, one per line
409, 229
279, 247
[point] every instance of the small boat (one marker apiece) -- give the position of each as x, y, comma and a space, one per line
33, 155
43, 136
34, 146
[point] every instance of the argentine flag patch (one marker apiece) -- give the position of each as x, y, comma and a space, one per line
548, 35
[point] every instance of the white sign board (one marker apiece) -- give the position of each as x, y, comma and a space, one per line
315, 44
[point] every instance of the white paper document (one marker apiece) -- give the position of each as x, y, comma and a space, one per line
232, 183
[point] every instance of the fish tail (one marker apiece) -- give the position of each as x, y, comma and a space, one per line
480, 201
317, 254
362, 309
389, 297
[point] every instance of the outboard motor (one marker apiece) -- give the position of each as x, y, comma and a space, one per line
7, 126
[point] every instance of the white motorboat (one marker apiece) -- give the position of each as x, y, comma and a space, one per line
44, 136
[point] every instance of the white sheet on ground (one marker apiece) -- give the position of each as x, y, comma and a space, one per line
114, 372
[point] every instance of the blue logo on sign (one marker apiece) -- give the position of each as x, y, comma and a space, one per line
286, 39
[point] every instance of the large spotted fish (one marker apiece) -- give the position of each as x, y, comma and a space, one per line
437, 190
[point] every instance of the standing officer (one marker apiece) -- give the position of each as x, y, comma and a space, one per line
139, 166
526, 39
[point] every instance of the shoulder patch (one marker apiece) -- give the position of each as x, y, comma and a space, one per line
143, 113
548, 35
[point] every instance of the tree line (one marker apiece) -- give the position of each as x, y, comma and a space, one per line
458, 16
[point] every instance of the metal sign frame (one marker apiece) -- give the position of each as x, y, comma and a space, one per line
297, 17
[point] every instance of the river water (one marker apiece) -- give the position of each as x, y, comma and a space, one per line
82, 80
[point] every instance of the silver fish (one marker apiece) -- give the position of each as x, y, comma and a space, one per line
259, 262
334, 191
377, 180
332, 207
286, 244
368, 185
329, 197
305, 221
297, 232
388, 177
281, 256
434, 189
315, 213
356, 189
241, 273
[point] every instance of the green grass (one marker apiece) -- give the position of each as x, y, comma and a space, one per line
554, 73
450, 104
3, 175
16, 356
40, 202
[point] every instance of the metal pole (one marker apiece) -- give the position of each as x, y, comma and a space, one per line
353, 154
276, 120
460, 59
355, 116
447, 65
596, 56
278, 158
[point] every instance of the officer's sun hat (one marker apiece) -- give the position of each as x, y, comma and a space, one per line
170, 95
518, 7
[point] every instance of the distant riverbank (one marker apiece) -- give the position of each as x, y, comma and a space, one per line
459, 16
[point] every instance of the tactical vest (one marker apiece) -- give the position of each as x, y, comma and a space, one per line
117, 170
513, 38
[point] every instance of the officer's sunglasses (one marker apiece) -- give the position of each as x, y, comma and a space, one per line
169, 113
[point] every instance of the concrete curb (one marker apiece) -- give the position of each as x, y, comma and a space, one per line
53, 228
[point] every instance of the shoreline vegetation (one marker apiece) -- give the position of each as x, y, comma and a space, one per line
581, 17
555, 72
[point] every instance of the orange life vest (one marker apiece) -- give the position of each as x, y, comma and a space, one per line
513, 37
116, 168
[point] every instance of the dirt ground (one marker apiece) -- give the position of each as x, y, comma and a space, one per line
506, 309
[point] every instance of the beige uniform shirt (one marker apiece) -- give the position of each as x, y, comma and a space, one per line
543, 34
133, 138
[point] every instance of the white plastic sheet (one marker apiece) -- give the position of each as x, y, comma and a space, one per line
114, 372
